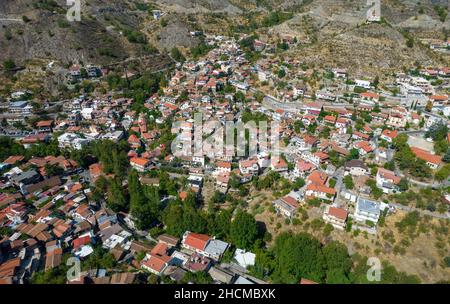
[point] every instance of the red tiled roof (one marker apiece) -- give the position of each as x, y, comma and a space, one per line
183, 195
160, 249
306, 281
81, 241
426, 156
304, 165
317, 177
96, 169
338, 212
320, 188
330, 118
155, 263
279, 162
13, 159
196, 240
321, 155
139, 161
226, 165
133, 139
387, 174
439, 97
44, 123
390, 133
290, 201
361, 135
370, 95
365, 145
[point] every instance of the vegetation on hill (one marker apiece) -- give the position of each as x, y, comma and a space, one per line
296, 256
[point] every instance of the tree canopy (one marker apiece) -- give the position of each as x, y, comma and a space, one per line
243, 230
143, 209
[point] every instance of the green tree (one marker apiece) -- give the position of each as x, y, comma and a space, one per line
53, 170
438, 131
173, 219
348, 182
298, 125
298, 256
9, 64
243, 230
338, 263
443, 173
354, 154
193, 220
403, 184
143, 209
446, 157
100, 258
234, 181
9, 147
177, 55
219, 224
116, 198
57, 275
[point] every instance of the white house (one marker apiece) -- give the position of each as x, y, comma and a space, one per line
363, 83
356, 167
140, 164
249, 166
86, 113
367, 210
320, 191
20, 108
244, 258
335, 216
223, 167
387, 180
286, 205
70, 140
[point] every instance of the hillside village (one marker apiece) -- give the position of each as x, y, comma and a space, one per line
359, 161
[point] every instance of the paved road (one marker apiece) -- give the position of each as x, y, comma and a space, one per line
421, 211
339, 175
415, 132
434, 185
273, 103
11, 20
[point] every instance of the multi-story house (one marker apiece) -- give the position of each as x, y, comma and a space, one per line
387, 180
140, 164
286, 205
367, 210
204, 245
249, 166
335, 216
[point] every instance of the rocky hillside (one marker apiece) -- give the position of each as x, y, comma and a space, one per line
109, 31
335, 33
112, 30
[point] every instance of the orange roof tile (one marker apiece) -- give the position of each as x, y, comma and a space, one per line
139, 161
427, 156
196, 240
338, 213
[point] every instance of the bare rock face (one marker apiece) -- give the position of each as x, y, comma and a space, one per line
176, 34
